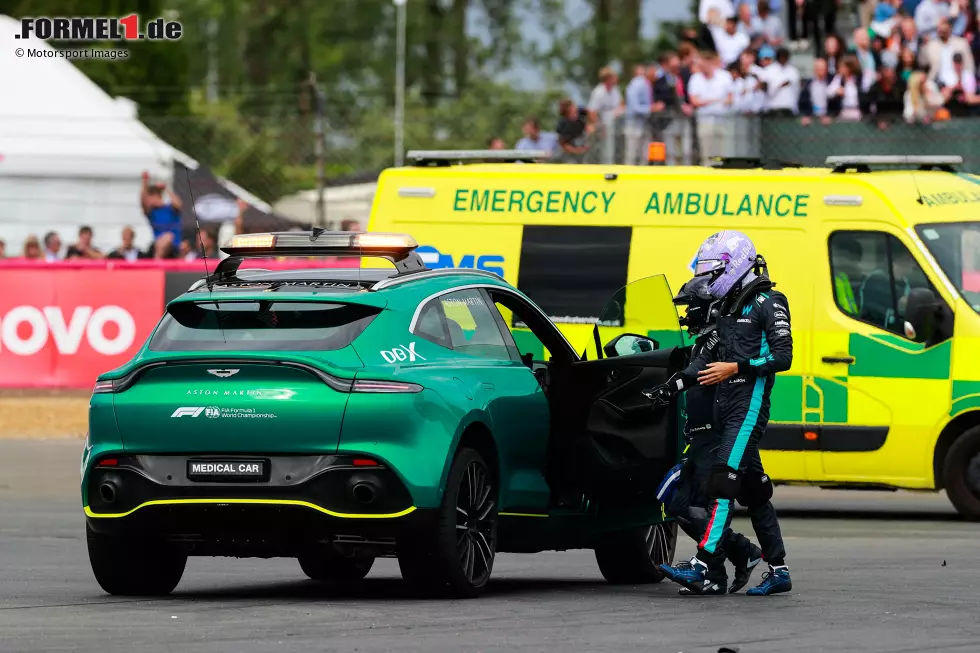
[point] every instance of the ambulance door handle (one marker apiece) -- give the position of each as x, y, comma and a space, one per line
846, 360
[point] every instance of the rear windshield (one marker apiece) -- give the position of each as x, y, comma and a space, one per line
260, 326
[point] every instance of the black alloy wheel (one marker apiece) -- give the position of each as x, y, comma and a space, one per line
455, 555
476, 520
634, 556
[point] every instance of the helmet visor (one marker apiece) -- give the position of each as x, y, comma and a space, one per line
707, 266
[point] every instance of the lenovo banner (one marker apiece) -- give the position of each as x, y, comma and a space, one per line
63, 327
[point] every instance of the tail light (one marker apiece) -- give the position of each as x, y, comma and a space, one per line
104, 387
384, 386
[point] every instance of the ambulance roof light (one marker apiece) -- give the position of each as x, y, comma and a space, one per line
448, 157
863, 163
750, 163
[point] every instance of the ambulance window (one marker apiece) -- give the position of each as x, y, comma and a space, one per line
571, 272
873, 274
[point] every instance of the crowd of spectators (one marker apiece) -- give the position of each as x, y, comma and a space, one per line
907, 59
163, 210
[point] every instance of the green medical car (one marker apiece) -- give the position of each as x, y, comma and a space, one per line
340, 415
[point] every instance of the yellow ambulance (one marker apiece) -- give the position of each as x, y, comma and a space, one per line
881, 268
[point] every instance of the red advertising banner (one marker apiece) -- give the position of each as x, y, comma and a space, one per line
62, 327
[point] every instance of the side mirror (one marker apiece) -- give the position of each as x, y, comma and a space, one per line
921, 317
626, 344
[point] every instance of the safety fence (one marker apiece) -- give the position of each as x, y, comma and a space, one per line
277, 157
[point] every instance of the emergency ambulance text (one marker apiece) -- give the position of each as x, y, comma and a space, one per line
727, 205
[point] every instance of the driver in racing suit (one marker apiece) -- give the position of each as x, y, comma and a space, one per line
755, 342
683, 490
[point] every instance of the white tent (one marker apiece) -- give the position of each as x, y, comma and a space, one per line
70, 154
351, 202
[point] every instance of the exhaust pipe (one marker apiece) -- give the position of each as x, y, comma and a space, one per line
108, 491
363, 493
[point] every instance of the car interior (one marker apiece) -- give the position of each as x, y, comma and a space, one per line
606, 438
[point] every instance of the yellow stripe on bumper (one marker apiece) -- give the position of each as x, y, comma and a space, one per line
260, 502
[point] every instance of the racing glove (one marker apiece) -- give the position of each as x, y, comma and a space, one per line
659, 395
668, 486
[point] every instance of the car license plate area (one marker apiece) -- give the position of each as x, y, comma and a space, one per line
227, 469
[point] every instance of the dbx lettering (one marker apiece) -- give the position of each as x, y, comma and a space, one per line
402, 354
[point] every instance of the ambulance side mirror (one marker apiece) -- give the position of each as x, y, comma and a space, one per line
922, 315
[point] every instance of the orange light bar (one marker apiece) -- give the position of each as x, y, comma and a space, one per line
385, 241
810, 436
253, 240
656, 153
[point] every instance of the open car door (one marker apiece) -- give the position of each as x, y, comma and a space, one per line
615, 444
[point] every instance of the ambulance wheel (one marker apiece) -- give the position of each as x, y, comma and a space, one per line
128, 567
961, 473
334, 569
634, 556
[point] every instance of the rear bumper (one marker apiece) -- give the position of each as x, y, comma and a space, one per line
301, 498
264, 530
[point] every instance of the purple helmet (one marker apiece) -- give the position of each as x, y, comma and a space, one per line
728, 257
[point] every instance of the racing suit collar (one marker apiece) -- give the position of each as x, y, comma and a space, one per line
749, 290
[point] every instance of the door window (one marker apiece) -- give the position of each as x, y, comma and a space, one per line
471, 327
640, 317
956, 247
526, 341
532, 333
873, 274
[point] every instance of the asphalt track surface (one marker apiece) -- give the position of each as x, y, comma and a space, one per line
872, 572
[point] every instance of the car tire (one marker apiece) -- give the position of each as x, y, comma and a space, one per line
634, 556
961, 473
129, 567
334, 569
457, 558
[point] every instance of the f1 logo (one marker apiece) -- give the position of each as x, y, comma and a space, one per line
188, 411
